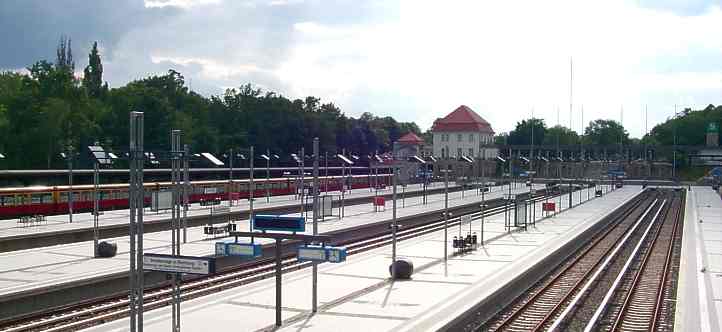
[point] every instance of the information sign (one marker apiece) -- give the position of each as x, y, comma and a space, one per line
243, 249
336, 254
278, 223
312, 253
179, 264
465, 218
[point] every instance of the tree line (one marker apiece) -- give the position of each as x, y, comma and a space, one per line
689, 128
48, 109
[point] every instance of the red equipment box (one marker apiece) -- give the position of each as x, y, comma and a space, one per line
548, 207
379, 201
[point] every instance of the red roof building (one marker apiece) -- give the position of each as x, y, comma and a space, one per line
462, 119
463, 133
411, 139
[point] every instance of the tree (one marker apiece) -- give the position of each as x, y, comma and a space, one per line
64, 55
93, 74
521, 135
605, 132
561, 135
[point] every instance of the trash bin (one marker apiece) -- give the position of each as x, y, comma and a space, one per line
403, 268
106, 249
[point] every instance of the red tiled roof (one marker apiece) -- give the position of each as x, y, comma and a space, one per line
462, 119
411, 138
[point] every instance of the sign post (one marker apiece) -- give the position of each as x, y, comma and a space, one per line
266, 224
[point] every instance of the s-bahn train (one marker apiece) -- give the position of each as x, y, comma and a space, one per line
49, 200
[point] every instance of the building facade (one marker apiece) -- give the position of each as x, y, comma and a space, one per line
463, 133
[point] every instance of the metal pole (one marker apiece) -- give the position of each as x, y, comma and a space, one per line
268, 176
70, 184
343, 184
251, 189
140, 206
446, 211
186, 189
176, 218
674, 152
326, 161
279, 281
230, 176
132, 227
303, 183
314, 302
95, 208
136, 203
393, 215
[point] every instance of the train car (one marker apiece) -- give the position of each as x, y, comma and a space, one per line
50, 200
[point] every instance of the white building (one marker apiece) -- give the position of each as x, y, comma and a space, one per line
463, 133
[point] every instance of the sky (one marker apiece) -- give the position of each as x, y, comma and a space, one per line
414, 60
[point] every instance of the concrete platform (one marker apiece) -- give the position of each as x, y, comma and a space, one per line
29, 270
699, 294
358, 296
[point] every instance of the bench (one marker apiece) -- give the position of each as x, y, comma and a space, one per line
31, 220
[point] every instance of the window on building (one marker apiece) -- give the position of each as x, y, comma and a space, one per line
458, 153
471, 137
471, 152
458, 137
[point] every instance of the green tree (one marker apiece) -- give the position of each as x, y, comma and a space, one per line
93, 74
605, 132
64, 56
521, 135
561, 135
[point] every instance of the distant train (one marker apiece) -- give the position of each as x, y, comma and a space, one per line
49, 200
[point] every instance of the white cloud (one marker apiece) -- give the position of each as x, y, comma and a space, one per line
210, 69
178, 3
505, 58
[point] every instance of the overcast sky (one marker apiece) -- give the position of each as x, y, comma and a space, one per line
414, 60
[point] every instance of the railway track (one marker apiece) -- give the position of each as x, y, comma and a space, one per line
638, 302
622, 279
97, 312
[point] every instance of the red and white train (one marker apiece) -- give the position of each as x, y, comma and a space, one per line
49, 200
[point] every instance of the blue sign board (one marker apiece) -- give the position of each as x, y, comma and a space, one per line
336, 254
266, 222
243, 249
221, 249
322, 254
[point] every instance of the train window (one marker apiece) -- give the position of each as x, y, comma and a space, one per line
37, 198
63, 197
122, 195
7, 200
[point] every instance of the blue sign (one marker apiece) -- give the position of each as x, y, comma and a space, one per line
265, 222
243, 249
221, 249
322, 254
336, 254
